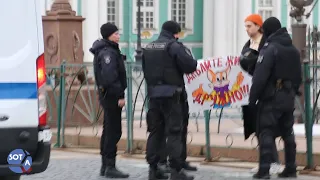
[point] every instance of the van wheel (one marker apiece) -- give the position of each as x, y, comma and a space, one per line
10, 177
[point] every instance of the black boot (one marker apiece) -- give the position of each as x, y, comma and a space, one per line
111, 170
155, 174
262, 174
103, 166
181, 175
288, 173
188, 167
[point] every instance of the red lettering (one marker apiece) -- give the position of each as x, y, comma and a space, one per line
189, 77
238, 95
247, 89
193, 76
214, 100
197, 99
213, 62
229, 61
198, 72
223, 99
205, 66
231, 95
236, 61
206, 97
219, 62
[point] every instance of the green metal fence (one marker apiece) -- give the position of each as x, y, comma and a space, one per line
72, 99
311, 66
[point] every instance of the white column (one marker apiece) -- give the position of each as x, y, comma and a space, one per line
208, 25
244, 10
223, 28
43, 7
103, 8
91, 28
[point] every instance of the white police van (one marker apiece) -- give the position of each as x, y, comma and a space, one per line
23, 110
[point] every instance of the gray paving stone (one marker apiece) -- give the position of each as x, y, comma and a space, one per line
82, 166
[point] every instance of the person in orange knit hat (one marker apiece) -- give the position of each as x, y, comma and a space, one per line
253, 24
249, 56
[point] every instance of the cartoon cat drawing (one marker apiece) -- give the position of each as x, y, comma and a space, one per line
219, 82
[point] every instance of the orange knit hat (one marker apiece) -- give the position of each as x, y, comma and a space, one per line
255, 18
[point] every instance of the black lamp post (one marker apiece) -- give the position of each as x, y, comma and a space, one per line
139, 49
299, 30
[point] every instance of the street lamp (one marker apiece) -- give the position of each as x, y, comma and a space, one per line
299, 9
299, 31
138, 55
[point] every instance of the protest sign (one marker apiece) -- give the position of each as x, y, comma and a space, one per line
217, 82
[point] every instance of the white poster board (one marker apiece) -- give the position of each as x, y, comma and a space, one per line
218, 82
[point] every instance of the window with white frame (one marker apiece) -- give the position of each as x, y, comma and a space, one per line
182, 12
266, 8
178, 12
148, 10
113, 12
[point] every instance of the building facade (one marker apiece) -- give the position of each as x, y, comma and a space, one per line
210, 27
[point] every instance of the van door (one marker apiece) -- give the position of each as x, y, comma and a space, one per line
19, 117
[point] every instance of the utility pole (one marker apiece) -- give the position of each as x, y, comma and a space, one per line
139, 49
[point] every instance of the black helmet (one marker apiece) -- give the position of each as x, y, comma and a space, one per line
248, 60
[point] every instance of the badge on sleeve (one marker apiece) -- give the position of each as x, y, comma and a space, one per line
107, 59
260, 58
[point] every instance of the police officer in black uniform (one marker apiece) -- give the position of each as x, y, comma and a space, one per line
274, 88
110, 76
163, 163
164, 63
248, 60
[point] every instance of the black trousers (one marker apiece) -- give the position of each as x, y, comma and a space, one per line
274, 123
184, 134
164, 120
275, 155
249, 116
112, 129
